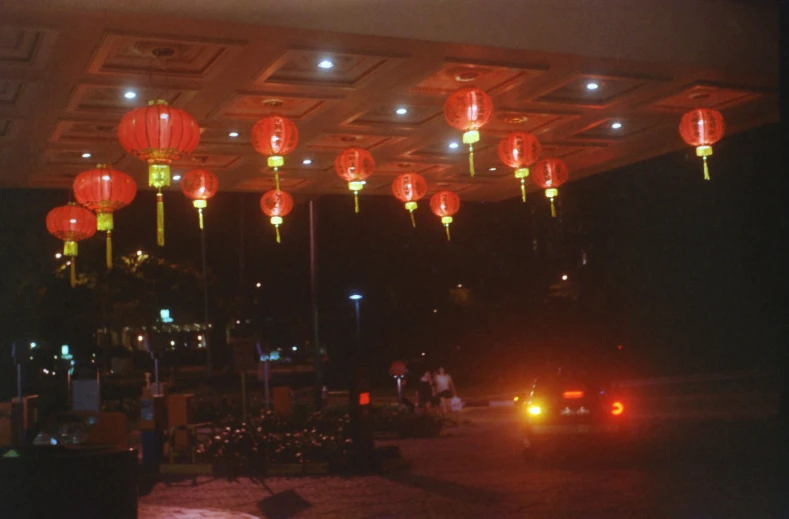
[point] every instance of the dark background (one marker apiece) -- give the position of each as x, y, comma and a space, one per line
682, 273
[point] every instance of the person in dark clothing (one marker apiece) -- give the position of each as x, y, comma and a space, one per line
425, 392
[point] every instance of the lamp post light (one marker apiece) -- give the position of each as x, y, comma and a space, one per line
360, 400
357, 299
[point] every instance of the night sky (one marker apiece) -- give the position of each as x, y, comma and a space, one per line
678, 271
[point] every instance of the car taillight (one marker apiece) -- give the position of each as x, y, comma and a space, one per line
617, 408
573, 394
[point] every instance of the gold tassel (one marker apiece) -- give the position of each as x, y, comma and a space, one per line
447, 228
471, 160
160, 219
276, 227
73, 271
200, 217
109, 250
356, 201
706, 169
553, 209
523, 190
413, 222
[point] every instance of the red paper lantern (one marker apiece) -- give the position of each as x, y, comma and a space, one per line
275, 136
520, 150
71, 223
468, 110
702, 128
158, 134
104, 190
549, 174
199, 185
408, 188
445, 204
276, 204
354, 165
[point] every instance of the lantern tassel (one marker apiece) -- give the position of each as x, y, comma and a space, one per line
523, 191
73, 271
471, 160
276, 227
356, 201
160, 219
109, 250
706, 169
447, 228
413, 222
553, 209
200, 217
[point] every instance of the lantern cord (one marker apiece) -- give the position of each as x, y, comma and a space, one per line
276, 178
447, 228
471, 160
160, 219
553, 209
109, 250
276, 227
200, 216
523, 190
356, 201
413, 222
73, 271
706, 169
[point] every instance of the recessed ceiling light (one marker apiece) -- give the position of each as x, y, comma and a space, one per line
130, 95
491, 169
177, 178
325, 64
592, 86
306, 162
616, 125
453, 145
233, 134
86, 155
401, 111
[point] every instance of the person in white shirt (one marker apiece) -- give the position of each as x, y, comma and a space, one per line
445, 388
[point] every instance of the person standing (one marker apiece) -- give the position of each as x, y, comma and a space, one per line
425, 391
445, 388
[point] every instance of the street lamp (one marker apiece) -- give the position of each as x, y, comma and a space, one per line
357, 298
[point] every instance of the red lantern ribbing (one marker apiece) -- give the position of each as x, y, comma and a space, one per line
445, 204
354, 165
158, 134
275, 136
408, 188
199, 185
276, 204
549, 174
468, 110
520, 150
702, 128
104, 190
71, 223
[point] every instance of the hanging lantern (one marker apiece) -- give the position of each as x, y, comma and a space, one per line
468, 110
520, 150
71, 223
104, 190
408, 188
355, 165
158, 134
275, 136
702, 128
445, 204
199, 185
549, 174
276, 204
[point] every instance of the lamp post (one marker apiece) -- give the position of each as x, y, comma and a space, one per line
357, 298
359, 395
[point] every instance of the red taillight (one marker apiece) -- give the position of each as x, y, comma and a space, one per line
617, 408
573, 394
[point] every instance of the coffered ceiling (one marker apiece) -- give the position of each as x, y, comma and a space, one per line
69, 68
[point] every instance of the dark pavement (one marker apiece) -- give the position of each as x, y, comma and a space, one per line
683, 470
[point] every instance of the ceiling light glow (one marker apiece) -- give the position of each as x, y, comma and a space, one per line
86, 155
453, 145
592, 86
306, 162
401, 111
233, 134
325, 64
129, 95
616, 125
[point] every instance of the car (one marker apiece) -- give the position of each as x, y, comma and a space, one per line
566, 404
